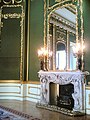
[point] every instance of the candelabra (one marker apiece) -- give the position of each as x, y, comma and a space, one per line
78, 52
43, 55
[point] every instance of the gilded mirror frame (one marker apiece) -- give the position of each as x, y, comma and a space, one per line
48, 9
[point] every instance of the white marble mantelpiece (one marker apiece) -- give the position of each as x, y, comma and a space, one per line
62, 78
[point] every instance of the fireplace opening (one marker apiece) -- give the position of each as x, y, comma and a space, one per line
61, 95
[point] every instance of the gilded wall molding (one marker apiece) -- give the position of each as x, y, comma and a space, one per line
61, 3
28, 40
60, 0
12, 1
65, 0
16, 16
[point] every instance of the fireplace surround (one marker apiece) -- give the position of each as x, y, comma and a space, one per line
71, 91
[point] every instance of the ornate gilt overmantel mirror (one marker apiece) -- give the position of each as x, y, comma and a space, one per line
63, 31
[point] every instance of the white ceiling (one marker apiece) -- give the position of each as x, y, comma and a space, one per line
66, 14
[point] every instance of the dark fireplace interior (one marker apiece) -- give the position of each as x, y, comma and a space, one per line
61, 95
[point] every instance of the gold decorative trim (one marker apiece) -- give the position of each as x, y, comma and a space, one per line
31, 82
6, 2
67, 52
61, 3
28, 38
18, 1
22, 32
45, 10
61, 0
20, 82
11, 1
82, 33
11, 6
14, 15
10, 81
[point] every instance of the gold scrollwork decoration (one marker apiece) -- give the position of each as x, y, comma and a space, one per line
7, 1
61, 3
12, 1
18, 1
10, 6
14, 15
60, 0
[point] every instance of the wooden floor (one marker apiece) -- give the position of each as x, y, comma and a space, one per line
31, 109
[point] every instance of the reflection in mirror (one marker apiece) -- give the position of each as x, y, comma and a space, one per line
60, 56
73, 59
62, 38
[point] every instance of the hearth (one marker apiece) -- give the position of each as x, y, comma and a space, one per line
65, 99
61, 95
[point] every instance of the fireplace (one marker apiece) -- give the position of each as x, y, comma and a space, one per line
64, 90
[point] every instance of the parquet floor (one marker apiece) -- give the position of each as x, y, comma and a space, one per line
31, 109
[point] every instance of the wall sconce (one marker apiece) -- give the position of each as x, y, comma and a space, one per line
43, 55
78, 52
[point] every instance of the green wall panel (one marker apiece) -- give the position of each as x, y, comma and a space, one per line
86, 10
36, 36
10, 47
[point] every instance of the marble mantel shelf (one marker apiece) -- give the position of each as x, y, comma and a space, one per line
60, 77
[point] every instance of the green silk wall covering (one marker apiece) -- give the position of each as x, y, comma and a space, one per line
36, 36
10, 47
86, 11
10, 50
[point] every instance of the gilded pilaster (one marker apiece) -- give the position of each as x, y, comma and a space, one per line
54, 49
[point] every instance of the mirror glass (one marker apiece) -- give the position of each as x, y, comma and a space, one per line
60, 56
62, 38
